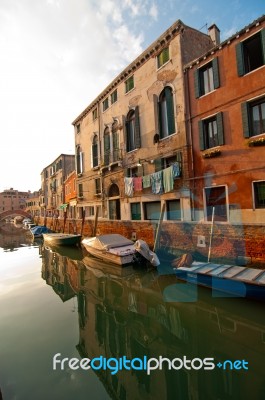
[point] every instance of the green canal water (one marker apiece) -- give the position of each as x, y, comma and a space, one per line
65, 303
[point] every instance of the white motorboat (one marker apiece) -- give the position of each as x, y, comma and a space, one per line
117, 249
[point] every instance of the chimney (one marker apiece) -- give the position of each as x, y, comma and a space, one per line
214, 33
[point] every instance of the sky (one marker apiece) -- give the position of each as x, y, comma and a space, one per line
56, 56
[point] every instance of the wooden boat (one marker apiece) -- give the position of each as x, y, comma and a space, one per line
38, 230
225, 280
61, 239
117, 249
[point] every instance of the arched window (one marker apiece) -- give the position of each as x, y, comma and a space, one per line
166, 113
106, 146
115, 141
132, 124
95, 149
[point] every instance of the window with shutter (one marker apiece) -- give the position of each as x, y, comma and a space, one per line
253, 117
132, 125
250, 54
206, 78
95, 149
106, 146
166, 113
211, 133
259, 194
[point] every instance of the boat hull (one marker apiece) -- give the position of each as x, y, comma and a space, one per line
224, 286
61, 239
110, 257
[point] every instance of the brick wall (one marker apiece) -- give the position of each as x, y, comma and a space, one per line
227, 241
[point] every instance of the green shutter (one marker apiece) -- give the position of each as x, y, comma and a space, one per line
240, 59
245, 119
158, 164
216, 80
137, 129
201, 135
262, 34
197, 83
127, 133
170, 110
156, 113
220, 128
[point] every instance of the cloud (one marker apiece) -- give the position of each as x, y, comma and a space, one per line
56, 57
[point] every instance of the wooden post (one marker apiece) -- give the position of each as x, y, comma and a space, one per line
159, 228
83, 221
211, 235
95, 222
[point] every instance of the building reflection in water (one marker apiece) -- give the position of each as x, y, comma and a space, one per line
123, 312
13, 236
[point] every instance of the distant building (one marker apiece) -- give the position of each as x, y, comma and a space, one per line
33, 204
70, 195
52, 195
11, 199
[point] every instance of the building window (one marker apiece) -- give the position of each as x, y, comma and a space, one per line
132, 128
173, 209
250, 53
163, 57
78, 128
165, 162
80, 190
259, 194
106, 146
166, 113
215, 197
206, 78
114, 97
95, 114
211, 132
253, 117
152, 210
129, 84
115, 141
95, 151
105, 104
98, 186
79, 160
90, 211
136, 211
133, 172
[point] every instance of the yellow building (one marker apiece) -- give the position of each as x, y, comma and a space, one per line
131, 152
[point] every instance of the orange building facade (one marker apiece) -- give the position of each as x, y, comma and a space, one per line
225, 105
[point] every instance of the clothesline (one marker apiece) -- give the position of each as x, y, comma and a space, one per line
160, 182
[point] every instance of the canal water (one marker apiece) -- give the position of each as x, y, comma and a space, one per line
147, 335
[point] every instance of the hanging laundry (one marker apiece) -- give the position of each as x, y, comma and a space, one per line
176, 170
146, 181
128, 189
168, 179
157, 183
137, 183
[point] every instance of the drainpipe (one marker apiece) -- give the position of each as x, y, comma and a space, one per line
189, 136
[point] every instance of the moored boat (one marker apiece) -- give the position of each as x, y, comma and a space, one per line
38, 230
225, 280
117, 249
62, 239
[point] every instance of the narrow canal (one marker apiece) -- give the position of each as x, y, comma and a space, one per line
144, 339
